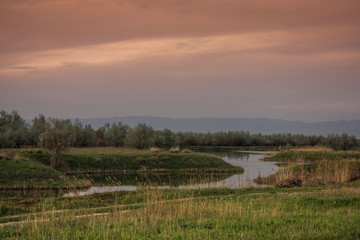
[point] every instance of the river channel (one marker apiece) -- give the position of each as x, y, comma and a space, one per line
250, 161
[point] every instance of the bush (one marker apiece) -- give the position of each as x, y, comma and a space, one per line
343, 142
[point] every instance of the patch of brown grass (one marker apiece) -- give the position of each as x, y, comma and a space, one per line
326, 172
313, 149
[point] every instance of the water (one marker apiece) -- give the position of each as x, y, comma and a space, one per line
158, 179
250, 161
253, 167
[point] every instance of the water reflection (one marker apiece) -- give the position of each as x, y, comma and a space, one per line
252, 164
160, 179
250, 161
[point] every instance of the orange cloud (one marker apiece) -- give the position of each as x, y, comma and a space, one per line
311, 44
47, 24
137, 49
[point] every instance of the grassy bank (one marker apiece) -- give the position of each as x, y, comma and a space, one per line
311, 156
24, 170
134, 162
20, 173
21, 169
301, 213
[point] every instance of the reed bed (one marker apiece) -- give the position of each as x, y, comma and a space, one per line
324, 172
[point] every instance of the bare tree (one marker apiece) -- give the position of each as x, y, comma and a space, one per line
57, 138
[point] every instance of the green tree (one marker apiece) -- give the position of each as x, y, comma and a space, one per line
38, 127
115, 135
83, 136
159, 140
100, 135
164, 138
141, 136
88, 136
13, 130
169, 138
341, 142
58, 137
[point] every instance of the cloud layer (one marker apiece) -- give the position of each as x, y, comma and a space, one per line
297, 60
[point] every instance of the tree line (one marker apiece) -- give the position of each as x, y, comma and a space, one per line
45, 132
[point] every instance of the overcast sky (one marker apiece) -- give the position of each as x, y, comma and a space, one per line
293, 60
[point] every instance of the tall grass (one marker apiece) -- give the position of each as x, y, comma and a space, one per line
327, 214
322, 173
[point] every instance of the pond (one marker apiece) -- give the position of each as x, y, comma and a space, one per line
250, 161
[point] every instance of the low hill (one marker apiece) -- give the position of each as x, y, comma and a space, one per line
253, 125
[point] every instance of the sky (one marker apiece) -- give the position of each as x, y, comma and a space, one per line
282, 59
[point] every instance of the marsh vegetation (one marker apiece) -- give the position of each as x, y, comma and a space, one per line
148, 184
327, 196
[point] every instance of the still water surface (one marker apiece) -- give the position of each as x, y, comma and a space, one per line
250, 161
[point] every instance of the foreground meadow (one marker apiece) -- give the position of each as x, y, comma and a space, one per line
301, 213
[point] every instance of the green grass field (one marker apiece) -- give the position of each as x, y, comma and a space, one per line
300, 213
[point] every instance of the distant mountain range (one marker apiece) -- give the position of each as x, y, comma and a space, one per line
253, 125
